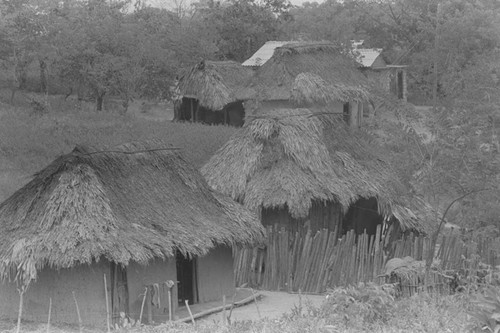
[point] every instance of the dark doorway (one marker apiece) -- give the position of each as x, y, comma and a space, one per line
363, 216
119, 291
186, 277
346, 113
400, 85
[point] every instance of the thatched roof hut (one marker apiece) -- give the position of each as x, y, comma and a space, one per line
213, 83
132, 203
307, 73
208, 93
291, 159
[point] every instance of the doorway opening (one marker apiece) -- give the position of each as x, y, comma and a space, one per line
187, 282
400, 85
119, 291
362, 216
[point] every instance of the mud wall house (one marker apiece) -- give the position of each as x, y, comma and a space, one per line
208, 93
305, 74
136, 216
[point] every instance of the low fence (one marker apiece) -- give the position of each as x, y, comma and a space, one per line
309, 262
312, 263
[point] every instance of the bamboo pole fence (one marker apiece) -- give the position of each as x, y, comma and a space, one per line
313, 262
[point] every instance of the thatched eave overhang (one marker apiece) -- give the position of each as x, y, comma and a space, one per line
293, 158
135, 202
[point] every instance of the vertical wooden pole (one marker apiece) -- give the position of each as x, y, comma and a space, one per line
353, 114
170, 284
195, 280
149, 300
20, 314
78, 313
360, 113
169, 304
50, 312
196, 116
107, 303
192, 110
142, 305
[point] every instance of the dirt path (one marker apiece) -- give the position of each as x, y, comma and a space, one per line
271, 305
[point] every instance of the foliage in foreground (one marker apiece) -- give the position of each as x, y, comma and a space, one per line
366, 308
487, 310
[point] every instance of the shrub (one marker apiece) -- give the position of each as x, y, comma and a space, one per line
486, 310
362, 305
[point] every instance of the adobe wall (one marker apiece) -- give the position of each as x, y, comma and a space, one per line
87, 281
383, 77
139, 276
216, 275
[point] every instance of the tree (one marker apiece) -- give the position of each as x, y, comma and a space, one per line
331, 20
432, 42
18, 29
110, 51
240, 26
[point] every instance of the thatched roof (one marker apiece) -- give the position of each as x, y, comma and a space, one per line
291, 158
307, 73
130, 203
213, 83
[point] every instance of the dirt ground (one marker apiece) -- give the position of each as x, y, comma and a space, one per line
272, 305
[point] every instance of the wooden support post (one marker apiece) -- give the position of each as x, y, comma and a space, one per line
107, 303
149, 300
78, 313
195, 281
142, 305
170, 284
50, 312
20, 313
196, 115
169, 305
353, 114
192, 110
360, 114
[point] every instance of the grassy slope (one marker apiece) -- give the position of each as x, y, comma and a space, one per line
29, 140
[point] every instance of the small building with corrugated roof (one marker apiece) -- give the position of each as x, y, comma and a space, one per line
319, 75
392, 77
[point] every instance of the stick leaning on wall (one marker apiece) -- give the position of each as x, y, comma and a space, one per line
107, 303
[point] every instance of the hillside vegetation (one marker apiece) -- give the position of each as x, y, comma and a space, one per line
31, 139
